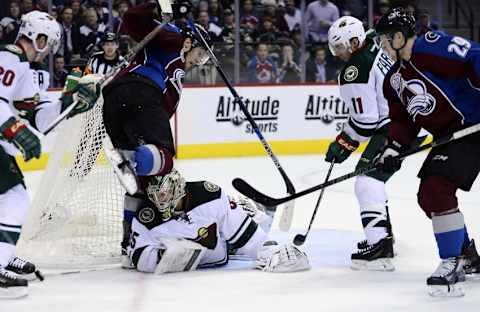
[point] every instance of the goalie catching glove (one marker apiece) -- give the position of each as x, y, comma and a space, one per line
281, 258
84, 92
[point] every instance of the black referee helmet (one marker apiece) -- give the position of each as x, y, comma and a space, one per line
109, 37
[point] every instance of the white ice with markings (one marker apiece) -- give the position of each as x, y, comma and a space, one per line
330, 286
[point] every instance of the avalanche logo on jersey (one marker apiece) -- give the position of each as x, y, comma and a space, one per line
413, 94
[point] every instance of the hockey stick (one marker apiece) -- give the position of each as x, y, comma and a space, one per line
116, 69
299, 239
247, 190
287, 215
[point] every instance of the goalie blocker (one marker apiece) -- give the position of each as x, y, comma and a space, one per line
183, 226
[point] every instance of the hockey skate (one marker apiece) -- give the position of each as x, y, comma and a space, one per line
376, 257
26, 269
123, 167
472, 259
448, 278
12, 286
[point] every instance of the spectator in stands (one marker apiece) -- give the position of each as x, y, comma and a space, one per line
319, 16
77, 12
289, 70
11, 23
292, 15
248, 18
121, 6
226, 50
319, 70
70, 45
27, 6
213, 29
261, 68
59, 72
91, 33
42, 5
215, 11
102, 11
268, 32
380, 10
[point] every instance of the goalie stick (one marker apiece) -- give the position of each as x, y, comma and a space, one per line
285, 221
166, 16
247, 190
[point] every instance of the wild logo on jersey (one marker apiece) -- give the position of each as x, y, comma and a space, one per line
414, 95
264, 111
327, 109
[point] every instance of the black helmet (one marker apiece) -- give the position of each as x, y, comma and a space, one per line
109, 37
397, 19
196, 32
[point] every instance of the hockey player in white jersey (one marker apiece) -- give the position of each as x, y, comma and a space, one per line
183, 226
360, 83
20, 115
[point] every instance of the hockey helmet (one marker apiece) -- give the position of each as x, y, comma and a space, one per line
200, 38
37, 23
165, 192
397, 19
342, 31
181, 8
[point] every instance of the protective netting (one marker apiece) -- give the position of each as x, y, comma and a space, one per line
76, 216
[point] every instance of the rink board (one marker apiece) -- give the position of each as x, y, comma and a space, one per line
294, 119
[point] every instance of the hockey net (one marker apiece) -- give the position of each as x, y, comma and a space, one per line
76, 216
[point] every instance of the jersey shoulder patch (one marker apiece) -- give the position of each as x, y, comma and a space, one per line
148, 215
15, 50
357, 69
201, 192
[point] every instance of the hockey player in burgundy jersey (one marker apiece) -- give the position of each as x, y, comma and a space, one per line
141, 99
435, 85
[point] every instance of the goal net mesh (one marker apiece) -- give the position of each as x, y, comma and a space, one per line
76, 216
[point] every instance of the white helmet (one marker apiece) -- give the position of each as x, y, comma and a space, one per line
165, 192
342, 31
38, 23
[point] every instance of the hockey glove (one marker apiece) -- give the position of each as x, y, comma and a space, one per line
341, 148
17, 133
388, 160
85, 94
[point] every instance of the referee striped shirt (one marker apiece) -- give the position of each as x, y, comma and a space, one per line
99, 65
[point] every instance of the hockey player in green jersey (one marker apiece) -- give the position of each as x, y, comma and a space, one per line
21, 113
360, 83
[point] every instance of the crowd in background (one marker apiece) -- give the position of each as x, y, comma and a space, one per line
270, 33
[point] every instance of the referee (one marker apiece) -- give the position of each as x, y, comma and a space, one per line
101, 62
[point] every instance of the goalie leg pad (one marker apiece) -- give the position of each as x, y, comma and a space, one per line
179, 255
285, 258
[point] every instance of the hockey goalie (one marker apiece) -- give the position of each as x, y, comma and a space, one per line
183, 226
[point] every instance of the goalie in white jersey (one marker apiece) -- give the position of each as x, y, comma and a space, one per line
21, 114
361, 82
182, 226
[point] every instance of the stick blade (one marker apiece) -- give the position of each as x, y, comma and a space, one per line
247, 190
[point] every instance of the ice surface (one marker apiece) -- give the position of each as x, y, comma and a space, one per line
330, 286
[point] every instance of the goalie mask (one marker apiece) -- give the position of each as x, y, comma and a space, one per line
342, 31
165, 192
